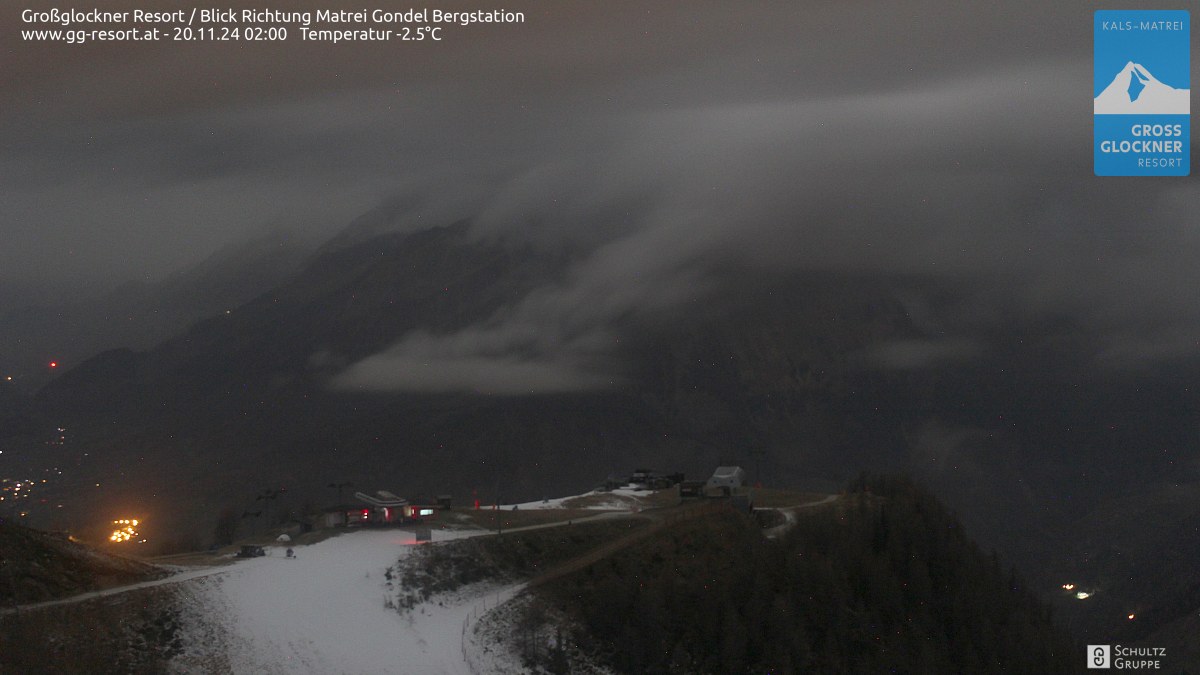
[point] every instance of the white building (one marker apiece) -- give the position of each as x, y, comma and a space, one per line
728, 477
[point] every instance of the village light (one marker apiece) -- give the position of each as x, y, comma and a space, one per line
125, 531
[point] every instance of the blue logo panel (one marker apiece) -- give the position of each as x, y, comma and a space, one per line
1142, 93
1142, 145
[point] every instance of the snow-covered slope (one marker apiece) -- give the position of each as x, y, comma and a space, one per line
629, 498
1135, 90
329, 610
326, 612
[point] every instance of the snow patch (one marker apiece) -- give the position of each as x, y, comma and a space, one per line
323, 612
621, 499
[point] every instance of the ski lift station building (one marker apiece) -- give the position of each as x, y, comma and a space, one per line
728, 477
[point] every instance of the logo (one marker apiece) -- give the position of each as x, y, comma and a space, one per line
1141, 103
1135, 91
1121, 657
1099, 656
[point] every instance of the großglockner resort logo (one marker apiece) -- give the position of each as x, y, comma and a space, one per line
1142, 93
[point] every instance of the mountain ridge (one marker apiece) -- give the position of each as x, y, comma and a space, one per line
1134, 90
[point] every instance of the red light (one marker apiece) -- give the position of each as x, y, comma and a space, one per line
54, 364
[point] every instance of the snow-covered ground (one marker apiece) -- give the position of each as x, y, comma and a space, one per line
326, 612
621, 499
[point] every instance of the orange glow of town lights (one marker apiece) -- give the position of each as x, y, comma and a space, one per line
1068, 587
126, 530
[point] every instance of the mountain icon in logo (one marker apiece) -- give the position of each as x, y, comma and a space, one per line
1135, 91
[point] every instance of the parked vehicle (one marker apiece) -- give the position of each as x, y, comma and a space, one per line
247, 551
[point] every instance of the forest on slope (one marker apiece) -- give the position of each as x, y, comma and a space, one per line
888, 582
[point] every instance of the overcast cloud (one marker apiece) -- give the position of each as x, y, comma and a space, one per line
921, 139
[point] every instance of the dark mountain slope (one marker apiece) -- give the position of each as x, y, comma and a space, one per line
242, 399
37, 566
139, 315
778, 372
886, 583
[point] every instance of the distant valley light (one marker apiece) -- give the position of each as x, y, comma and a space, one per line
126, 530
